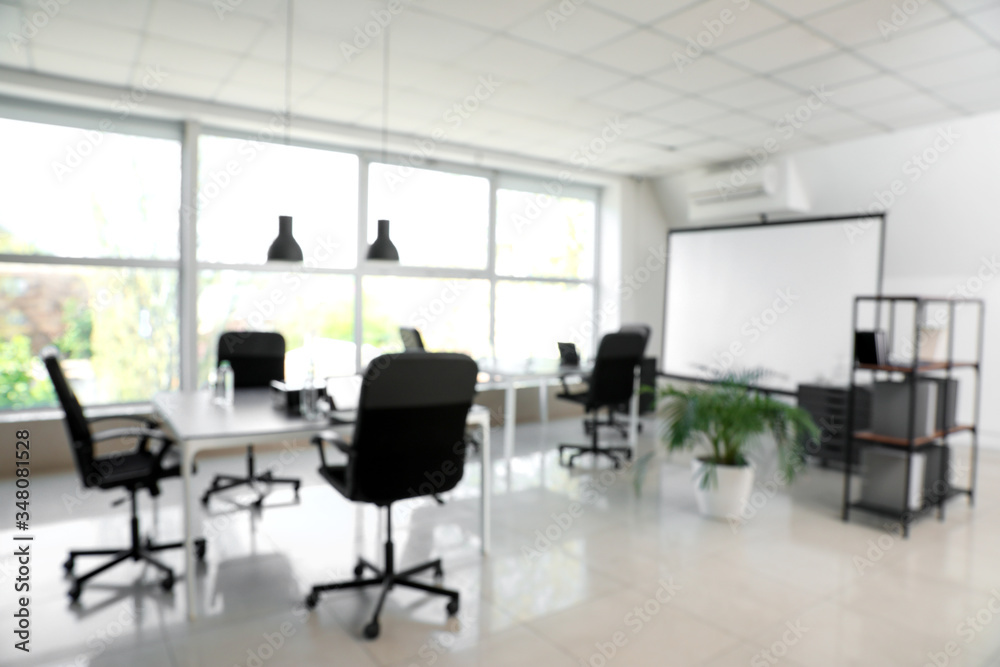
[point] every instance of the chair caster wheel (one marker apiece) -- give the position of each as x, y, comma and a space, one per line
204, 500
371, 630
452, 607
311, 600
438, 572
68, 565
168, 583
200, 547
74, 593
359, 570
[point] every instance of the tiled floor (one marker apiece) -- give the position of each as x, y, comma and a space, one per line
625, 580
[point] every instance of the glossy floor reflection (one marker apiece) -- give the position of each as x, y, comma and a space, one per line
583, 572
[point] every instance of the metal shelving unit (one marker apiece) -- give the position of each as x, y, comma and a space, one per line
911, 372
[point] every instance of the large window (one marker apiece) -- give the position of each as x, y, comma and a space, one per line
94, 256
89, 240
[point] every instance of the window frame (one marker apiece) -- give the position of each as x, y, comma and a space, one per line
189, 267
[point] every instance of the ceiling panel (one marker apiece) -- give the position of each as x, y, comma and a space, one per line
716, 23
781, 48
869, 21
555, 73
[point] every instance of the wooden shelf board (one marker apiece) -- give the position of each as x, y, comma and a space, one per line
903, 442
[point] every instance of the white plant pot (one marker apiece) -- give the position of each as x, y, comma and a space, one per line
729, 495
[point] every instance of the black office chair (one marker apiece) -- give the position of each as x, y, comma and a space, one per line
257, 358
643, 330
610, 385
409, 441
134, 470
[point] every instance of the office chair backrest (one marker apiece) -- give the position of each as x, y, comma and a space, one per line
77, 429
643, 330
612, 379
412, 342
257, 357
410, 435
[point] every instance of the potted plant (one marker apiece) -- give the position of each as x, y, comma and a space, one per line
728, 418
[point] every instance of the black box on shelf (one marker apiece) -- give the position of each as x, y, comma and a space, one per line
891, 408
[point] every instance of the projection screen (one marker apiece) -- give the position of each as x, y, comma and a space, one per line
776, 296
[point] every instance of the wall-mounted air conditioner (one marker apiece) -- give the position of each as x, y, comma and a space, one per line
746, 188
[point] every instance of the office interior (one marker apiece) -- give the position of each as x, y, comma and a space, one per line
531, 158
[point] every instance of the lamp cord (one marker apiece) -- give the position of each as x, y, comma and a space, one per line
385, 94
288, 70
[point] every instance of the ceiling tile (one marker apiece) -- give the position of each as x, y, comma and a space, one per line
979, 95
751, 93
925, 45
510, 60
638, 127
966, 5
896, 111
577, 78
641, 11
359, 93
983, 63
575, 32
268, 10
431, 38
636, 52
832, 122
731, 126
490, 15
988, 21
830, 70
90, 39
714, 151
187, 85
633, 97
251, 96
202, 25
873, 20
185, 58
869, 91
676, 137
704, 73
713, 24
688, 110
127, 15
800, 8
82, 68
782, 48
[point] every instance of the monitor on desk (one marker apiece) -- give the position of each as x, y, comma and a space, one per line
412, 342
568, 356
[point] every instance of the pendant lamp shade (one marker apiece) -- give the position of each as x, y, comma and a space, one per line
284, 248
382, 248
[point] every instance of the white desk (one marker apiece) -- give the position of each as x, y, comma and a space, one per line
540, 373
200, 424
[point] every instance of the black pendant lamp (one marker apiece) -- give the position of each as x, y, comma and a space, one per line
382, 248
285, 248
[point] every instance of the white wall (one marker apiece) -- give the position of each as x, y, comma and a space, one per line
943, 229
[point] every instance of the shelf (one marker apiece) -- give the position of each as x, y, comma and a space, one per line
903, 442
929, 366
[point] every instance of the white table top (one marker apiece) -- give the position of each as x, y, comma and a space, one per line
501, 371
192, 415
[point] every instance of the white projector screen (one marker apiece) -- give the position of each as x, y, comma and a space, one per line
773, 296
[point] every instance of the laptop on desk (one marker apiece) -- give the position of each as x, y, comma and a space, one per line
568, 356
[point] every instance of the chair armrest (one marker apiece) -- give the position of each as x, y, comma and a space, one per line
146, 421
335, 440
144, 435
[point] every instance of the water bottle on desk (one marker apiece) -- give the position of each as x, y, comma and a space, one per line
225, 385
310, 395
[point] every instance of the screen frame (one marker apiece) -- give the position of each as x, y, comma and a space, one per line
763, 223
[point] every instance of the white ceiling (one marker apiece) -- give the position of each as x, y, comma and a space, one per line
565, 68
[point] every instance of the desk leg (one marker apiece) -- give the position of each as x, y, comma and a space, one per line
509, 417
487, 486
187, 461
633, 416
543, 402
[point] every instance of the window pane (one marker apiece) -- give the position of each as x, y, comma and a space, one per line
436, 218
531, 317
539, 236
451, 315
105, 194
243, 186
116, 328
315, 314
